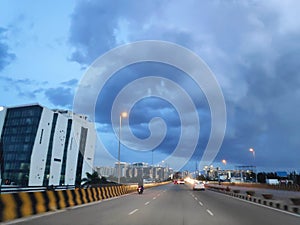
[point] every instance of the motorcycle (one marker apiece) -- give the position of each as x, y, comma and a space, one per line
140, 190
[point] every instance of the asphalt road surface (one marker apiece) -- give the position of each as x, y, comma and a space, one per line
167, 205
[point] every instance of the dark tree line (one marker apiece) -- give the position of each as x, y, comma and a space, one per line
93, 179
293, 176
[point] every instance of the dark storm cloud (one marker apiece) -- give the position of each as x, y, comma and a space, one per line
70, 83
267, 117
95, 25
25, 88
252, 46
60, 96
5, 55
32, 89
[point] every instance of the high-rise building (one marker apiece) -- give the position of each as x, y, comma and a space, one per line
123, 168
105, 171
142, 170
42, 147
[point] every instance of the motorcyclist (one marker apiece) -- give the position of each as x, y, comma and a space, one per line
140, 186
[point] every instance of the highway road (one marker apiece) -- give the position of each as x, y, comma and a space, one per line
166, 205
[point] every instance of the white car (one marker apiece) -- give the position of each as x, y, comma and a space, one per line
199, 185
181, 181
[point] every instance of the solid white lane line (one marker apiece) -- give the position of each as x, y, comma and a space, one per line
209, 212
201, 203
134, 211
147, 203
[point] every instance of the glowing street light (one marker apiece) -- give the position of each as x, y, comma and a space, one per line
253, 153
122, 115
224, 162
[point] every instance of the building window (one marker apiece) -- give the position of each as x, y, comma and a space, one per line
50, 148
17, 141
82, 144
41, 137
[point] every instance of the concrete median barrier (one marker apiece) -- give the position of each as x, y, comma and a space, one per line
278, 204
22, 204
133, 187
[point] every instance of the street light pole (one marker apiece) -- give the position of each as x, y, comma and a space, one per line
122, 115
152, 156
253, 153
225, 162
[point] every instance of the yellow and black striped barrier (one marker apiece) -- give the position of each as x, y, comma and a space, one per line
21, 204
17, 205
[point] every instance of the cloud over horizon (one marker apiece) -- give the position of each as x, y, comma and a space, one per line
6, 57
252, 47
247, 45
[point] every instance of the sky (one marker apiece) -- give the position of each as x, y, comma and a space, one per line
250, 48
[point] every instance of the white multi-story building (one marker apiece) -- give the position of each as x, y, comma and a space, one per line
142, 170
105, 171
42, 147
123, 169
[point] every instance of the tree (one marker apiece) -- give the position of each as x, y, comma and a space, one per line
91, 179
261, 177
200, 177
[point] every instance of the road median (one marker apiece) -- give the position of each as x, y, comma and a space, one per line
266, 199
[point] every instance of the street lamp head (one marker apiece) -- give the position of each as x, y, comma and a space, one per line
224, 161
124, 114
251, 149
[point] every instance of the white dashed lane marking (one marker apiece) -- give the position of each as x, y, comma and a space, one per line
134, 211
147, 203
209, 212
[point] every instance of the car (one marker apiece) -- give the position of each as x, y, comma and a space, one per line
181, 181
199, 185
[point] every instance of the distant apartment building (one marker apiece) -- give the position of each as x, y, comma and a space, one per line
123, 168
105, 171
141, 170
42, 147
